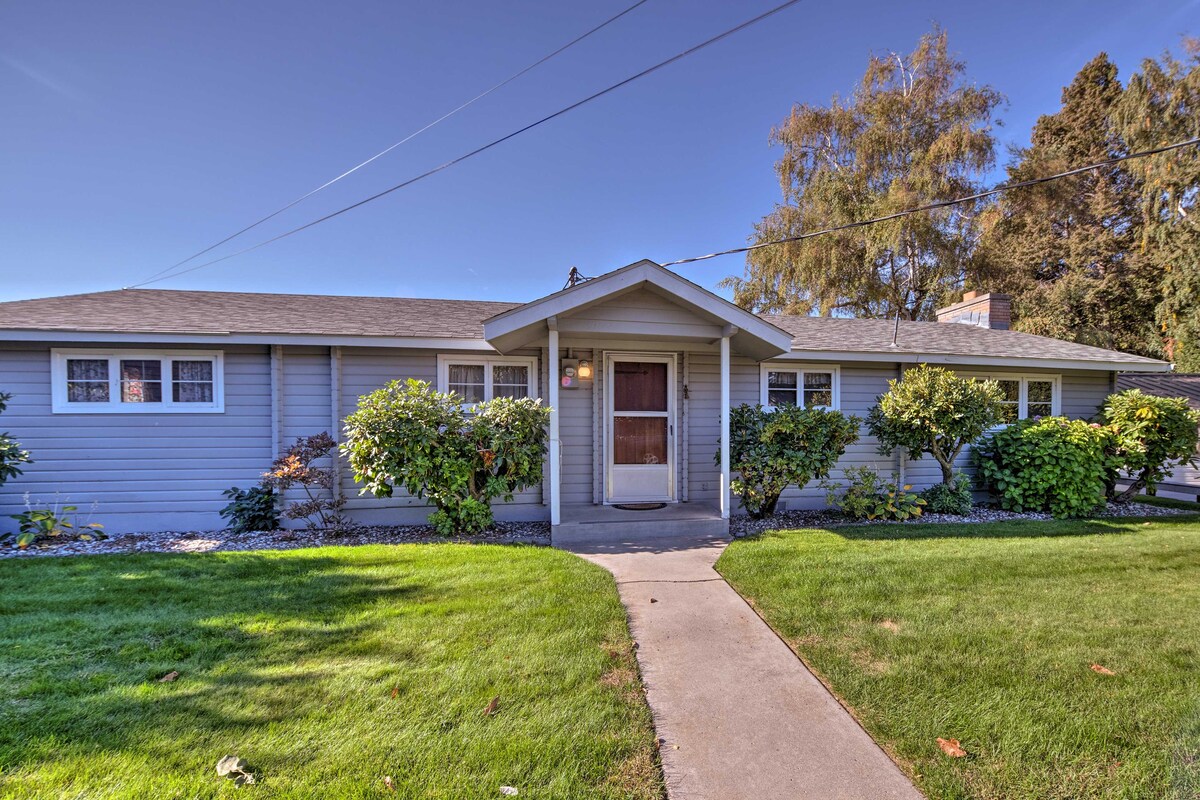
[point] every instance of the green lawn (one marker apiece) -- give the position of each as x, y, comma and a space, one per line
326, 669
986, 634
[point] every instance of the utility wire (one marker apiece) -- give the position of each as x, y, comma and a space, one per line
488, 146
407, 138
1003, 187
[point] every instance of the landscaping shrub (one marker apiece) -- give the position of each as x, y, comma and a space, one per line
431, 445
949, 498
867, 496
1050, 464
771, 450
933, 411
37, 523
295, 468
251, 509
1150, 436
11, 453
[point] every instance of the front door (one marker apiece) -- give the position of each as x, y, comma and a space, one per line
640, 426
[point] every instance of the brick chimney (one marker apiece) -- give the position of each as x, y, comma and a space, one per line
983, 310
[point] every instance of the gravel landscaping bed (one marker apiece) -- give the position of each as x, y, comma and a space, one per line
537, 533
787, 520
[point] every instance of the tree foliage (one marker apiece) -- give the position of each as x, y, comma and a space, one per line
1161, 105
934, 412
431, 445
1150, 436
11, 454
913, 131
1066, 250
773, 449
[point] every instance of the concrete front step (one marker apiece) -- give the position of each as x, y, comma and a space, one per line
645, 526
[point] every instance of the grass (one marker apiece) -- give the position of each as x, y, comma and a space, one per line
326, 669
986, 634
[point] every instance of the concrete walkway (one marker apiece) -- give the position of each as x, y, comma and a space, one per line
741, 716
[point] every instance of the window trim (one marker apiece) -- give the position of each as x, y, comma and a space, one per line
800, 369
445, 361
58, 382
1023, 379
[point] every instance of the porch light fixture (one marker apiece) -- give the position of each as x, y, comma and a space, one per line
585, 370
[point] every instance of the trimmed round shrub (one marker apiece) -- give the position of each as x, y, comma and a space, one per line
949, 498
1049, 464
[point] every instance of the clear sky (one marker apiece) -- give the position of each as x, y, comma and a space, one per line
136, 133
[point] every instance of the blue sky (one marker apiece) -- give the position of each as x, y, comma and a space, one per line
137, 133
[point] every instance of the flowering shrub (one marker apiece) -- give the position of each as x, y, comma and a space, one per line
1050, 464
295, 468
431, 445
867, 496
771, 450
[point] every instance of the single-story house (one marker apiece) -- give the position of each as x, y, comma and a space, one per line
1184, 481
149, 403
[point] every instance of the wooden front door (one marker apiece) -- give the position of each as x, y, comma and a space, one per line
640, 425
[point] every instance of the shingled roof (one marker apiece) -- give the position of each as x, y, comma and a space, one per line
174, 311
168, 311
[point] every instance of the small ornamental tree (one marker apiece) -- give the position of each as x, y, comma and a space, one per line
933, 411
771, 450
1150, 436
11, 453
433, 446
297, 467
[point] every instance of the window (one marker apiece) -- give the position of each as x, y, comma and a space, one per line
804, 386
481, 379
91, 382
1026, 396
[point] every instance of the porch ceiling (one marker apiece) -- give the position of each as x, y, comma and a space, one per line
708, 319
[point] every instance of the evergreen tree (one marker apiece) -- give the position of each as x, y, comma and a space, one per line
912, 132
1162, 105
1066, 250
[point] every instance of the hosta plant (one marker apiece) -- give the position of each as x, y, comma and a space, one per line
867, 496
36, 524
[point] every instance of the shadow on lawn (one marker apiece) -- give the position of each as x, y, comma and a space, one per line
1015, 529
252, 637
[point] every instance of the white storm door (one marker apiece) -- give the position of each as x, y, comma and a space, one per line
640, 417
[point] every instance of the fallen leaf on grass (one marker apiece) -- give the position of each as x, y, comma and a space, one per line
387, 781
170, 676
1102, 670
951, 747
492, 707
395, 692
509, 791
235, 769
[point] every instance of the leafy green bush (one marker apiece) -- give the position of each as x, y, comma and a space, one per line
933, 411
251, 510
867, 496
428, 443
771, 450
11, 453
1150, 436
1050, 464
36, 524
949, 498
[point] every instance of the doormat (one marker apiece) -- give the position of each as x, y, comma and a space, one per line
639, 506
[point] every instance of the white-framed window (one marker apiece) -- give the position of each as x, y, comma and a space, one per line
1028, 396
804, 385
136, 382
484, 378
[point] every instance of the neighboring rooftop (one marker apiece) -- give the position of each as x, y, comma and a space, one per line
1171, 385
169, 311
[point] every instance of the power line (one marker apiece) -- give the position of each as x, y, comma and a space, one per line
488, 146
407, 138
1003, 187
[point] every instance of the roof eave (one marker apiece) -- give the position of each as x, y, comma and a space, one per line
910, 357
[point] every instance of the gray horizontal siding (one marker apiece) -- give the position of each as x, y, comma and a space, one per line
141, 471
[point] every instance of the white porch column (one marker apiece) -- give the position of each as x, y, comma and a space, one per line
725, 491
552, 372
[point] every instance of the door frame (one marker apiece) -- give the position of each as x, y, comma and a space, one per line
671, 360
